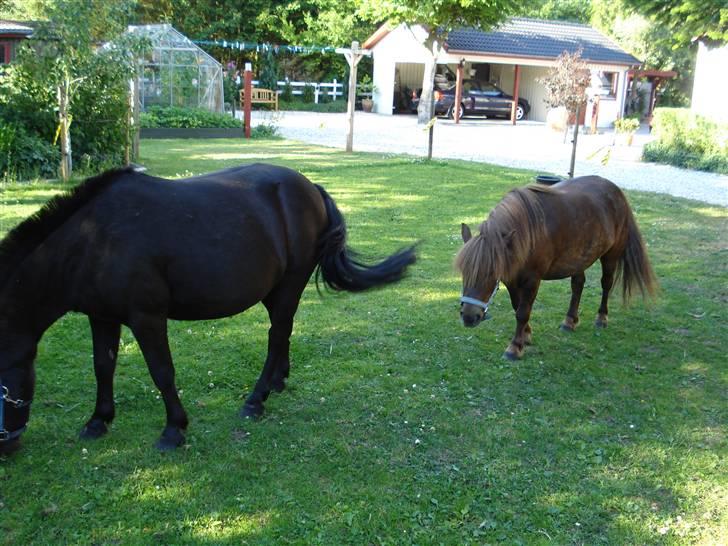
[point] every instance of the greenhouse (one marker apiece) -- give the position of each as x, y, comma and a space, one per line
176, 72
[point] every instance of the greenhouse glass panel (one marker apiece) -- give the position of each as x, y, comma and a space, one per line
177, 72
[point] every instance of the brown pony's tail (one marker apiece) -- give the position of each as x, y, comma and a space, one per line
634, 264
338, 265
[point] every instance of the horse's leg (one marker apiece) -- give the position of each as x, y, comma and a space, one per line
527, 291
281, 304
609, 266
572, 315
151, 333
105, 337
513, 292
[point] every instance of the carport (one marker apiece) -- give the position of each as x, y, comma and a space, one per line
513, 57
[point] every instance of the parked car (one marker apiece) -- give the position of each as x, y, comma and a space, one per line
479, 98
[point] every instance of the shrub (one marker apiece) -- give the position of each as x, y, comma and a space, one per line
287, 93
185, 118
685, 139
337, 106
627, 125
308, 93
25, 155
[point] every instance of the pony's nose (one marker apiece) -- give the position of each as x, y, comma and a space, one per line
471, 320
10, 446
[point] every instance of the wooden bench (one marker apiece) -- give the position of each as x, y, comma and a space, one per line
260, 96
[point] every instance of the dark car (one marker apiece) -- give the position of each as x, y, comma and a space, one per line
479, 98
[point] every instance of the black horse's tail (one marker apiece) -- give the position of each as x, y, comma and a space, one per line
338, 265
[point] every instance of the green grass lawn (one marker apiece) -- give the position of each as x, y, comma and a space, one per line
399, 426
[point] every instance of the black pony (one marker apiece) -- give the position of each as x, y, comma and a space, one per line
128, 248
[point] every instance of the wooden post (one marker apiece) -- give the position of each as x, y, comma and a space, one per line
517, 81
458, 90
576, 135
595, 115
353, 56
248, 93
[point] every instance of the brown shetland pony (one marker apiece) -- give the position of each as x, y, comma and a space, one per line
551, 232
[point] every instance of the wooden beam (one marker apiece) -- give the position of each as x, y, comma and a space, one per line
248, 98
458, 91
517, 82
353, 56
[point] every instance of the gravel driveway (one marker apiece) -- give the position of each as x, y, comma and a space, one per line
528, 145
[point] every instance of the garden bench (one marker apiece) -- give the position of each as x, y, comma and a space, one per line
261, 96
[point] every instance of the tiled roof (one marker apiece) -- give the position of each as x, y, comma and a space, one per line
522, 37
15, 27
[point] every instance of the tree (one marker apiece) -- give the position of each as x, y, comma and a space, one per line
64, 59
687, 20
438, 18
566, 82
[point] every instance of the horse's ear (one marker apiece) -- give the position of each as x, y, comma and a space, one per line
465, 232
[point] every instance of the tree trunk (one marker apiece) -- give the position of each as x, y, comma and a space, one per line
425, 108
64, 133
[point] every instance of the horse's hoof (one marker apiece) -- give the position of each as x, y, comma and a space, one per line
600, 323
566, 327
170, 439
510, 355
94, 429
251, 411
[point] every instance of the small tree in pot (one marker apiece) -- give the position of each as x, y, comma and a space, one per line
566, 84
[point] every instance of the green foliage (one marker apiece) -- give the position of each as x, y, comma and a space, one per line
578, 11
399, 426
269, 73
627, 125
287, 93
25, 156
337, 106
264, 131
685, 139
687, 19
309, 93
185, 118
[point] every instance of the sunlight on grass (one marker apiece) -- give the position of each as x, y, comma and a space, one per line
231, 528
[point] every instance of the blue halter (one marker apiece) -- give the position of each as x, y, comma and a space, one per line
482, 304
7, 435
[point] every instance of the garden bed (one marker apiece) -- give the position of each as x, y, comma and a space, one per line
197, 132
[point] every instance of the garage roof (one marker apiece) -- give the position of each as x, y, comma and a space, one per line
536, 38
15, 28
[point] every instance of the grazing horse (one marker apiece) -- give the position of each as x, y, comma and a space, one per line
128, 248
552, 232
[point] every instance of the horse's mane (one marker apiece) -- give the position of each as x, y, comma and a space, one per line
31, 232
506, 237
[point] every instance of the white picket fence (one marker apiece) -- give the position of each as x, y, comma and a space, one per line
333, 89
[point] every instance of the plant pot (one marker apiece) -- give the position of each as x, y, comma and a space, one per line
367, 105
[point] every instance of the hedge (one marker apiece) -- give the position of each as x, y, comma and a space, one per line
688, 140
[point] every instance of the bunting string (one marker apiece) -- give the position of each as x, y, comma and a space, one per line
251, 46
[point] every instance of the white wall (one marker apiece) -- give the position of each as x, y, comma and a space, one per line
711, 81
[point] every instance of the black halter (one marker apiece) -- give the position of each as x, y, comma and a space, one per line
7, 435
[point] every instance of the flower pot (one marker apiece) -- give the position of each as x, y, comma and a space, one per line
367, 105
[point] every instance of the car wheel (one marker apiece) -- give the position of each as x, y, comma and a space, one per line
451, 112
520, 112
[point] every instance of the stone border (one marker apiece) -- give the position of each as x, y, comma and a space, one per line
169, 132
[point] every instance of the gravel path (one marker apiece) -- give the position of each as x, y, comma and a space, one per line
529, 145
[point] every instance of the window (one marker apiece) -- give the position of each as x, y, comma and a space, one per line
607, 84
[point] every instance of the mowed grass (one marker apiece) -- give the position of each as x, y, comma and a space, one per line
399, 426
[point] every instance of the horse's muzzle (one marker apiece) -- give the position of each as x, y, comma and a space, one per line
9, 446
471, 320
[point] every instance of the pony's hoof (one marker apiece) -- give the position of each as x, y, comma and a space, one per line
566, 327
170, 439
94, 429
510, 355
601, 323
251, 411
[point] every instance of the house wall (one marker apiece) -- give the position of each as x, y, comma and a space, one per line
710, 83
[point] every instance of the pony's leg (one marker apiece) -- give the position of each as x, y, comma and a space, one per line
151, 333
527, 291
105, 337
513, 292
572, 315
609, 266
281, 304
